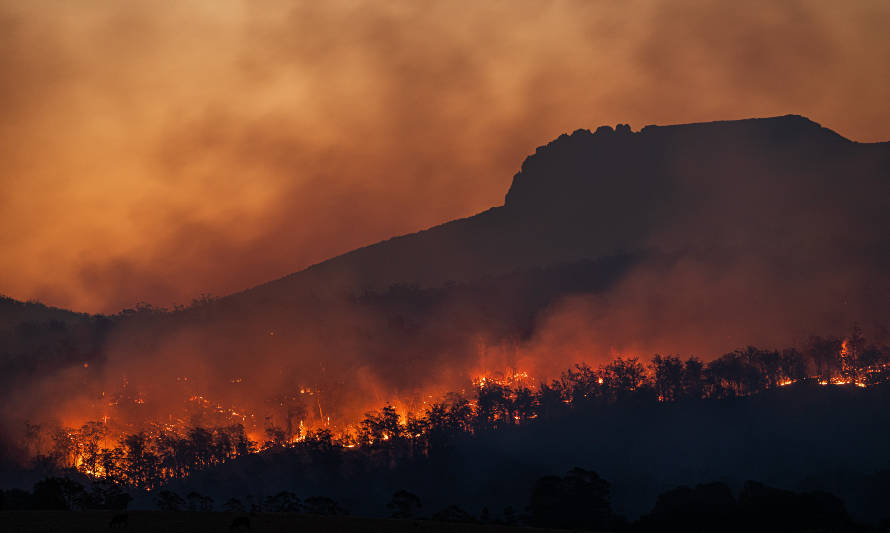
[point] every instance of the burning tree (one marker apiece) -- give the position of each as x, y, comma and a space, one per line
150, 454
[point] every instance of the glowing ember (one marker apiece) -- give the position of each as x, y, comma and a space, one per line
130, 424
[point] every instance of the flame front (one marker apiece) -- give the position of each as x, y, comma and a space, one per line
123, 438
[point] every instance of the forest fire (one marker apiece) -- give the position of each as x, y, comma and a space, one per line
511, 378
127, 442
328, 258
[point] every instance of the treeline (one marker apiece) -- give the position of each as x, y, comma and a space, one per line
578, 500
382, 438
63, 494
36, 339
56, 493
144, 459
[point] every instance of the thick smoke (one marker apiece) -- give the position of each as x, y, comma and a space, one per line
148, 163
737, 233
760, 239
157, 152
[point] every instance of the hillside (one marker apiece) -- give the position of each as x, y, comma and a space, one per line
802, 437
588, 195
760, 231
690, 239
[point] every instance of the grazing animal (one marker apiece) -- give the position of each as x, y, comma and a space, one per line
119, 520
240, 523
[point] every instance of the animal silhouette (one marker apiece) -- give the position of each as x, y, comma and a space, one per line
119, 520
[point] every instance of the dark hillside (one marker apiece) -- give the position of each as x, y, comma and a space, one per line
804, 438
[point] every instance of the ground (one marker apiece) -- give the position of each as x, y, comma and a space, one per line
195, 522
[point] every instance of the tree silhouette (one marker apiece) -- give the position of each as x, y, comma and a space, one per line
322, 505
199, 502
524, 404
283, 502
169, 501
580, 384
233, 505
404, 504
824, 352
107, 495
668, 372
769, 509
142, 465
380, 427
277, 437
793, 365
693, 378
58, 493
509, 515
622, 377
708, 507
580, 500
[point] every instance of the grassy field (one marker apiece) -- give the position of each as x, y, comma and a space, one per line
196, 522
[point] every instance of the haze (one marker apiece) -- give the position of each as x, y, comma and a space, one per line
154, 152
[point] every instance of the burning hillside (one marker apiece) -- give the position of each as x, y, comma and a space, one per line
128, 444
691, 239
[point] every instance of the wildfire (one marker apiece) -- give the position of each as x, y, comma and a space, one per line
128, 419
510, 378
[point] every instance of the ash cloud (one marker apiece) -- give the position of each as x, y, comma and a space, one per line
261, 142
144, 162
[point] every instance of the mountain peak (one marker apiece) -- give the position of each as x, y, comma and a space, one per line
584, 157
590, 194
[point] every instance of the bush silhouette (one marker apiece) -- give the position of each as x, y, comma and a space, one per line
169, 501
580, 500
404, 504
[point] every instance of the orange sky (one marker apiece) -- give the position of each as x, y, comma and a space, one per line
154, 152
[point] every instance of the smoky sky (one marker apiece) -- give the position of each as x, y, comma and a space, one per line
154, 152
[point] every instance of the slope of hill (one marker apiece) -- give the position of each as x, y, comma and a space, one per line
587, 195
774, 229
803, 437
14, 313
692, 239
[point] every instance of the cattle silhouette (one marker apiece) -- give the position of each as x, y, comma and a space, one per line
119, 520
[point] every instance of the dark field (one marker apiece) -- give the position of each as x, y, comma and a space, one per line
193, 522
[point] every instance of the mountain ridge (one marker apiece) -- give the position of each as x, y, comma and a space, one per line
755, 233
516, 217
526, 203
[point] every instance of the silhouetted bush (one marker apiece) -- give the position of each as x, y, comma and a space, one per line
199, 502
580, 500
233, 505
283, 502
169, 501
769, 509
404, 504
57, 493
708, 507
322, 505
712, 508
105, 495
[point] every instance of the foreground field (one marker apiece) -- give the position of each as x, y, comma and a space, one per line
196, 522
